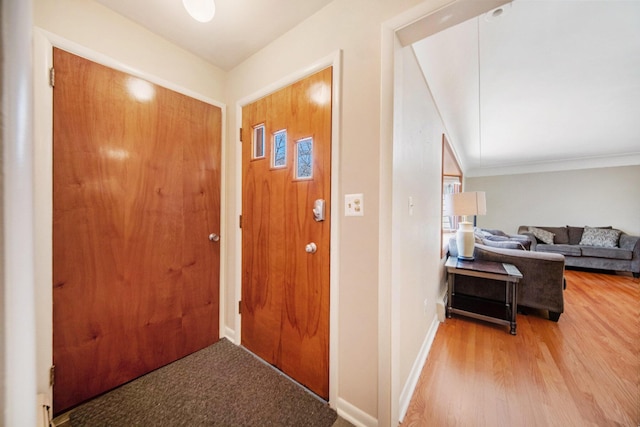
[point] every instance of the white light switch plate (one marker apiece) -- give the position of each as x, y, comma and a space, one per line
354, 205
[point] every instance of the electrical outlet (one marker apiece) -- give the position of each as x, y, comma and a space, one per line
354, 205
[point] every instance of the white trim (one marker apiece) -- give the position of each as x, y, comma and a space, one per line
44, 42
630, 159
387, 364
416, 369
355, 415
229, 334
100, 58
333, 60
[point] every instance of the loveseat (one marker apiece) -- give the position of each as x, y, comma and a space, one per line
542, 284
603, 248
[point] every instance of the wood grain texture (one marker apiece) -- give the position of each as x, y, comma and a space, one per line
582, 371
285, 291
136, 190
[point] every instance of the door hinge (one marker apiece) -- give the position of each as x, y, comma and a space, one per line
52, 77
240, 134
240, 221
240, 307
52, 375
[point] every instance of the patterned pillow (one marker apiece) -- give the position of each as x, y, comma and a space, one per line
544, 235
606, 238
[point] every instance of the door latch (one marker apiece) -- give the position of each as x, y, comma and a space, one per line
318, 210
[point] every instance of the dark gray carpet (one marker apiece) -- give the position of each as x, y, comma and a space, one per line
222, 385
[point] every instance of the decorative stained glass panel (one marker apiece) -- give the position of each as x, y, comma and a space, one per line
279, 155
304, 158
258, 142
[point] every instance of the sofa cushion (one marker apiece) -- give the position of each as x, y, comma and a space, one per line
575, 234
569, 250
601, 237
543, 235
611, 253
562, 234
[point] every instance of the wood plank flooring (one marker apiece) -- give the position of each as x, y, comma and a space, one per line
582, 371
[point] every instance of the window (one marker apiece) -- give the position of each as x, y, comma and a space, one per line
451, 183
258, 142
304, 158
279, 149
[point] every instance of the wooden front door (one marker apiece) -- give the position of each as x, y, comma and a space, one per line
286, 167
136, 192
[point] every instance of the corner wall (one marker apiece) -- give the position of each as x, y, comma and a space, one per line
416, 263
594, 197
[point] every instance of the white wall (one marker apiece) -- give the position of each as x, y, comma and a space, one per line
17, 307
416, 266
88, 29
594, 197
104, 32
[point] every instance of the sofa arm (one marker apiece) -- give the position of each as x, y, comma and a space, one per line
542, 282
631, 243
532, 238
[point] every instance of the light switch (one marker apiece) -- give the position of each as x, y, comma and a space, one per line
354, 205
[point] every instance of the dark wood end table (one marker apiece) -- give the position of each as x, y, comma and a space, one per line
508, 273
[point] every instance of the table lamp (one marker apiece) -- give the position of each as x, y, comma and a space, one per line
465, 204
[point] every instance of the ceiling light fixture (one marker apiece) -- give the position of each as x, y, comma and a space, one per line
200, 10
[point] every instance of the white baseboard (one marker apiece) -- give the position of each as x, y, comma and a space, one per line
230, 334
441, 306
354, 415
416, 369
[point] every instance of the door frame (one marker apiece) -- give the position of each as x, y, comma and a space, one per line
332, 60
43, 44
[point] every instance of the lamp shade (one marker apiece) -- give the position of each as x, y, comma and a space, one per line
463, 204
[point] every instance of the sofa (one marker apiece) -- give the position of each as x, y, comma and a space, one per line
602, 248
542, 284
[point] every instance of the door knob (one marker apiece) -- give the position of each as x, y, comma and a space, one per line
214, 237
311, 248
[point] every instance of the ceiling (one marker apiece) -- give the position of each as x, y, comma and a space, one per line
556, 84
239, 28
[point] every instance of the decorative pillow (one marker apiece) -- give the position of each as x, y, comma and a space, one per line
602, 237
544, 235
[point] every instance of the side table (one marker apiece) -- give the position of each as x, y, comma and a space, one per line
508, 273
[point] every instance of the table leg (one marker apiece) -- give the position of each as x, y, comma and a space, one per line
450, 284
514, 306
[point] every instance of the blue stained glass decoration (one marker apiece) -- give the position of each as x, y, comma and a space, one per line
280, 149
304, 155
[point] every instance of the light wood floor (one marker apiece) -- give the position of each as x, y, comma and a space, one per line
582, 371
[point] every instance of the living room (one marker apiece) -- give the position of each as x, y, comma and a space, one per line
522, 163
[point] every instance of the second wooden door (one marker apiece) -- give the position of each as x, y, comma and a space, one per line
286, 172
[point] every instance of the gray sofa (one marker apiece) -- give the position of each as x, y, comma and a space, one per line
603, 248
542, 284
